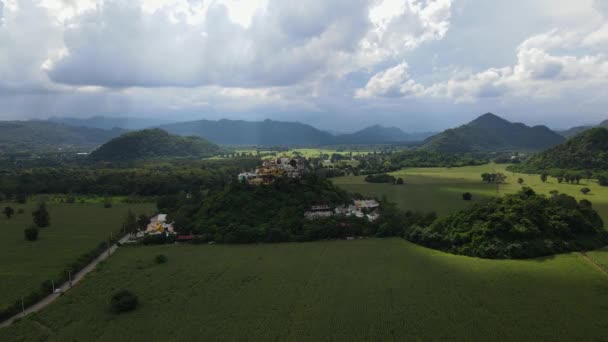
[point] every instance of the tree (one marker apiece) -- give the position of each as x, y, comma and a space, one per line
41, 216
585, 191
31, 233
21, 198
399, 181
467, 196
107, 203
130, 223
554, 193
560, 179
123, 301
603, 180
142, 222
160, 259
9, 212
520, 181
543, 177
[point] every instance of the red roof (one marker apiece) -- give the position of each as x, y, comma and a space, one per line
184, 237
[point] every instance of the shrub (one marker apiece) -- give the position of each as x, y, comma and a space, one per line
123, 301
585, 191
161, 259
467, 196
399, 181
31, 234
41, 216
380, 178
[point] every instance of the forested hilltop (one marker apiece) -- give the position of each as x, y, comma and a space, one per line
492, 133
43, 136
153, 143
587, 151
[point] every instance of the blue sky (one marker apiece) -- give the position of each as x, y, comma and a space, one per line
337, 64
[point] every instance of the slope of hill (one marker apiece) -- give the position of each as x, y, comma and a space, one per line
569, 133
260, 133
586, 151
110, 122
492, 133
153, 143
46, 136
374, 135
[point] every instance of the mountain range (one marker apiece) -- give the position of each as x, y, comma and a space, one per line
492, 133
16, 136
579, 129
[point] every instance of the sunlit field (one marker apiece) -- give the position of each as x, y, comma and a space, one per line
440, 189
75, 229
372, 289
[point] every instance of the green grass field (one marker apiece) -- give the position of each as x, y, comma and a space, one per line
372, 289
75, 229
440, 189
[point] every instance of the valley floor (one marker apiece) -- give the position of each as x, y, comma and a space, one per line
371, 289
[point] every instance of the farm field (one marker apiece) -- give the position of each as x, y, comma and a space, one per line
370, 289
75, 229
440, 189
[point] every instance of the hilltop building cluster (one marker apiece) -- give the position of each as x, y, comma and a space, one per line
274, 168
369, 209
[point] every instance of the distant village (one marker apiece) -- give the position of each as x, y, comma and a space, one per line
369, 209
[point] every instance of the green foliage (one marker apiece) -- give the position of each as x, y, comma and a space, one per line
161, 259
380, 178
8, 212
123, 301
31, 233
492, 133
467, 196
425, 158
399, 181
522, 225
130, 223
585, 191
153, 143
543, 177
494, 178
41, 216
587, 151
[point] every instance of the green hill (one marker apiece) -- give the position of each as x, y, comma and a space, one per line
586, 151
153, 143
43, 136
492, 133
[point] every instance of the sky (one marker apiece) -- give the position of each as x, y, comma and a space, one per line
421, 65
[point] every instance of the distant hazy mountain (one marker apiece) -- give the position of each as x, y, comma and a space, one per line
49, 136
153, 143
492, 133
374, 135
586, 151
260, 133
107, 122
579, 129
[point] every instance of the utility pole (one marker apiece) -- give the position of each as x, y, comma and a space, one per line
53, 285
22, 307
70, 277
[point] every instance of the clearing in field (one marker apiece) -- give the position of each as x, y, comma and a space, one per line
75, 229
441, 189
368, 289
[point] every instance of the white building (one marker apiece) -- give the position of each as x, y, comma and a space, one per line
158, 224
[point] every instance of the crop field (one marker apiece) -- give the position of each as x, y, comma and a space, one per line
440, 189
75, 229
370, 289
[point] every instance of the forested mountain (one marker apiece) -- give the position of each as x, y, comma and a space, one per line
586, 151
375, 135
44, 136
110, 122
260, 133
569, 133
492, 133
153, 143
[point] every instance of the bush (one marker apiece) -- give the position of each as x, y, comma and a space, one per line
31, 234
585, 191
123, 301
161, 259
380, 178
467, 196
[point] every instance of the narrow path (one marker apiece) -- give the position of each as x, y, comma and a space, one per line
593, 261
66, 286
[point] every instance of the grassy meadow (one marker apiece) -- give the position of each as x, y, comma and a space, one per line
371, 289
75, 229
440, 189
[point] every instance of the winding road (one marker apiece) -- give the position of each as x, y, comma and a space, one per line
66, 286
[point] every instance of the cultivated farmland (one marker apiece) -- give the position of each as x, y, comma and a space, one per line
440, 189
368, 289
75, 229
